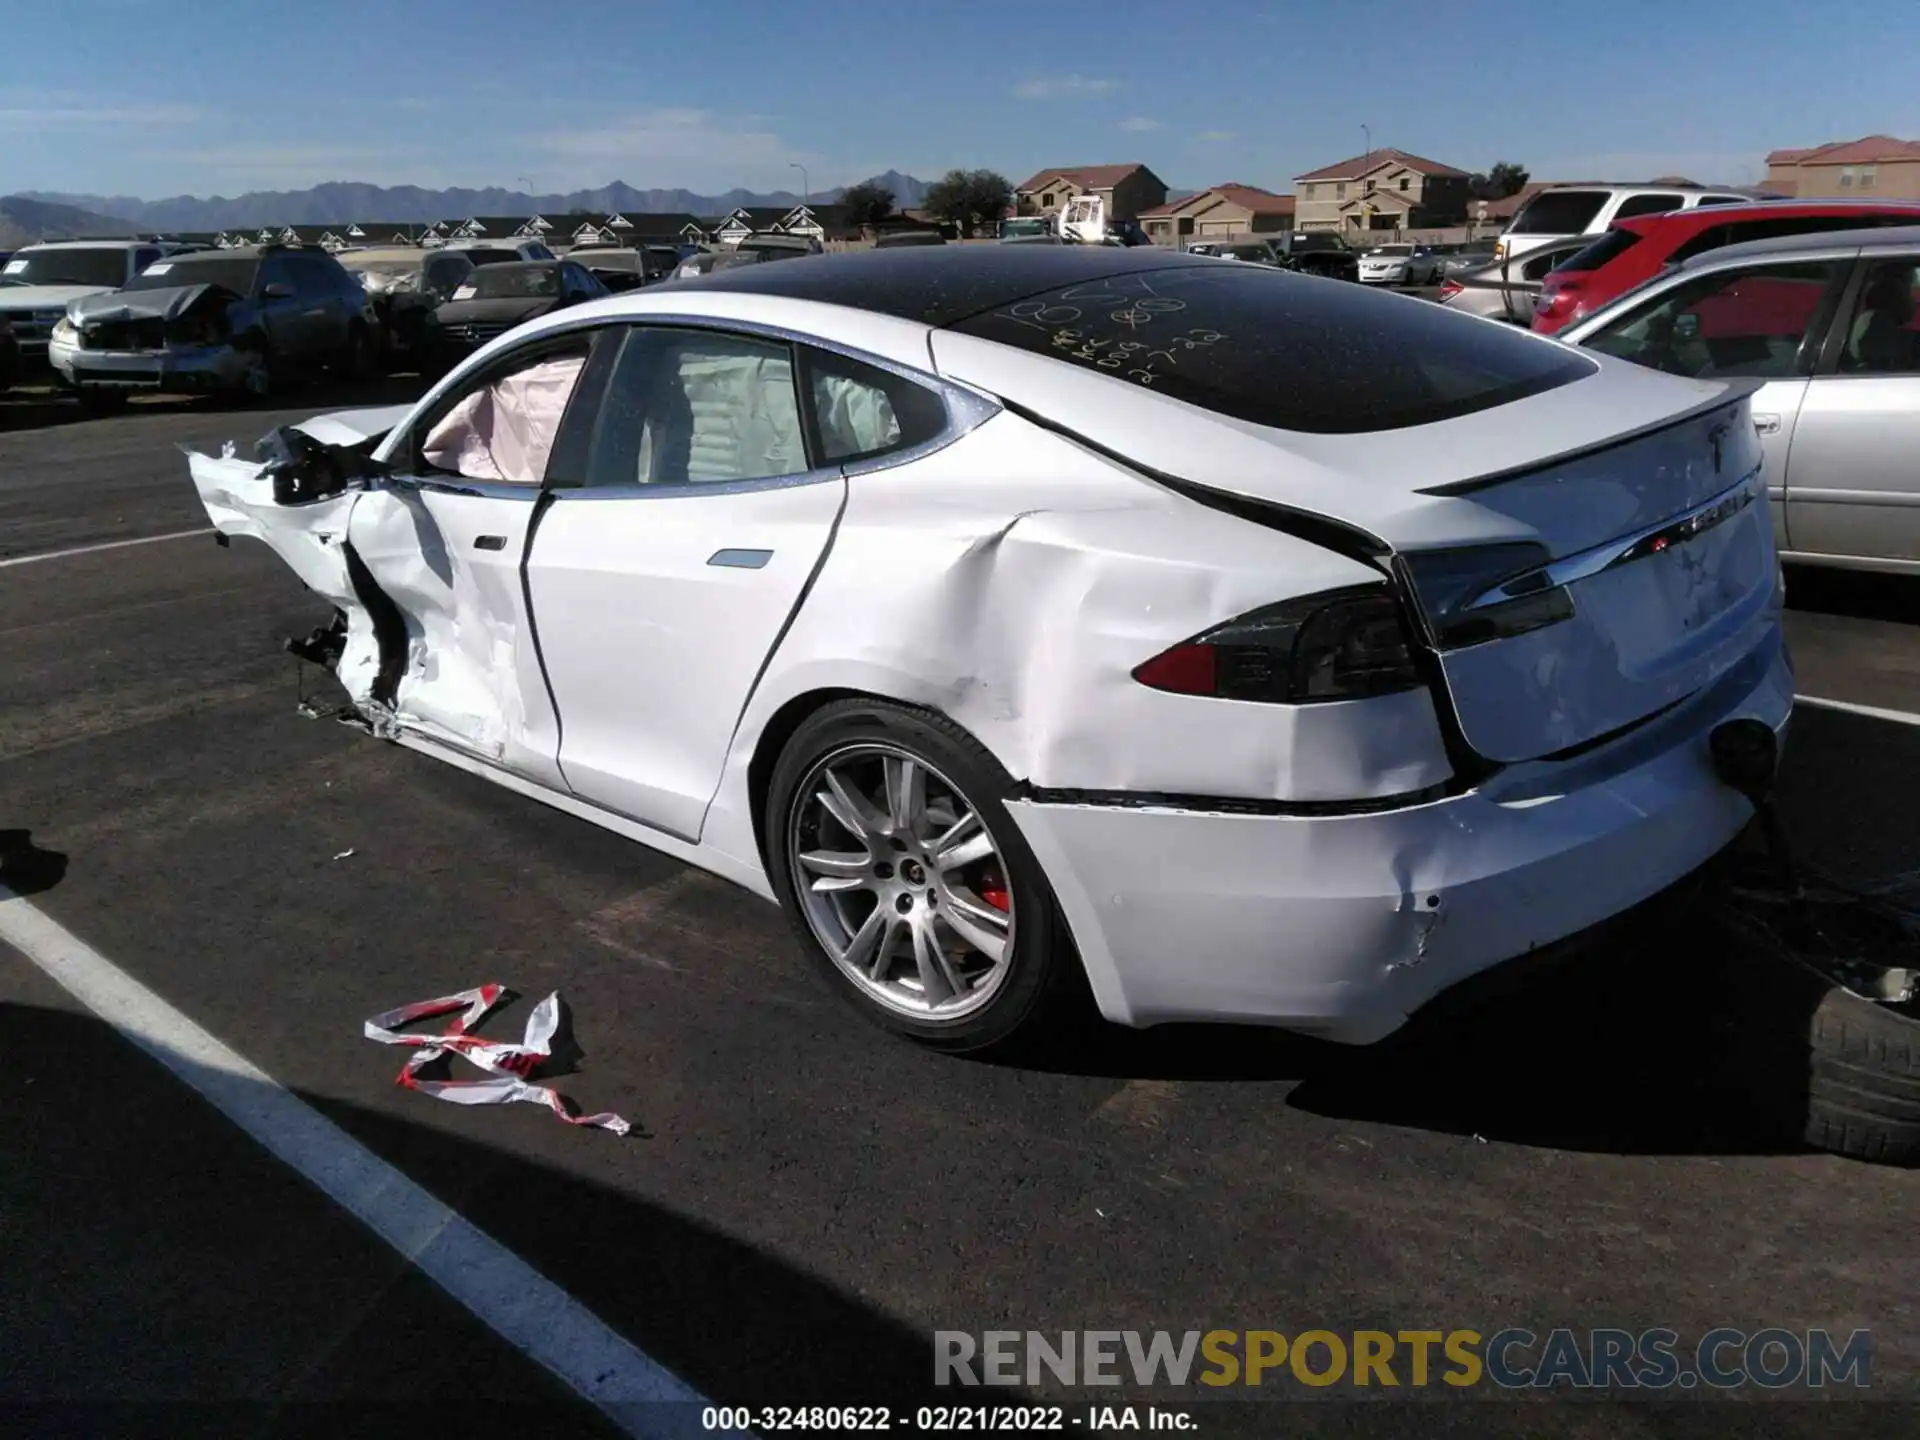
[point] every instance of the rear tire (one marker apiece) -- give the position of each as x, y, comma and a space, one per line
95, 401
871, 905
1830, 1067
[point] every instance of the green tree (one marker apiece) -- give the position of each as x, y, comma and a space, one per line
969, 199
867, 203
1502, 180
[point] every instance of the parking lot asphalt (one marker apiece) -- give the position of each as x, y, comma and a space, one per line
803, 1201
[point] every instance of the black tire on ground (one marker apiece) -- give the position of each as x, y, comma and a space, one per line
97, 401
1829, 1067
1863, 1095
1044, 983
361, 357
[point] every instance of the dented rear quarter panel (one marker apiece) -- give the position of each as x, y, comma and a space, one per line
1014, 580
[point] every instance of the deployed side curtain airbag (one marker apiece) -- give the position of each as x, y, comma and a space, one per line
718, 414
505, 430
855, 419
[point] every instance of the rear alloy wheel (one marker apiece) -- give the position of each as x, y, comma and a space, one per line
906, 878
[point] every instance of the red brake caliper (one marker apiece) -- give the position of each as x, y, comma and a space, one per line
993, 890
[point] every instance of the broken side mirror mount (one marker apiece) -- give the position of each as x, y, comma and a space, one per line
303, 470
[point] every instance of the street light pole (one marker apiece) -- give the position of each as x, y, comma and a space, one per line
806, 187
1366, 134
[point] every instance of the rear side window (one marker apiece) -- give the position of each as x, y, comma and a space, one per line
1274, 348
1739, 231
1604, 251
863, 412
1558, 212
1647, 205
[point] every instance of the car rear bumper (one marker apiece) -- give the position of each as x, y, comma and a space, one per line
212, 367
1342, 926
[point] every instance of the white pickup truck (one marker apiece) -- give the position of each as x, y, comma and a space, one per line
38, 282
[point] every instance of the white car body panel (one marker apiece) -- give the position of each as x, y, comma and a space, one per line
1012, 579
686, 632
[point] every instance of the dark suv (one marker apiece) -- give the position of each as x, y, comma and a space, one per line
1314, 253
241, 320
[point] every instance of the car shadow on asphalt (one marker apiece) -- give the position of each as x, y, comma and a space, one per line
173, 1279
1854, 594
26, 868
45, 407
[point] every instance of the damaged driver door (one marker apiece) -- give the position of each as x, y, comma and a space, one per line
443, 537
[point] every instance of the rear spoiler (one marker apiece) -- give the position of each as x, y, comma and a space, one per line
1731, 393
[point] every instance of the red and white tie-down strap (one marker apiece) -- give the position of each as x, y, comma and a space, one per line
513, 1064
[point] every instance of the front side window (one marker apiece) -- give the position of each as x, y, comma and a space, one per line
1284, 350
695, 407
1883, 337
1603, 251
863, 412
503, 429
1750, 322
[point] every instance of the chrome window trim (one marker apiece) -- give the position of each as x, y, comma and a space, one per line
1641, 544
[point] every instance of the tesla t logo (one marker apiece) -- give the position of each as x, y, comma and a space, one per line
1717, 438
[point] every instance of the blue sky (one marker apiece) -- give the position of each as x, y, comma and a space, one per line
161, 97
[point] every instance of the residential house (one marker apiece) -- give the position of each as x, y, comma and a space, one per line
1878, 167
1384, 189
1225, 209
1128, 190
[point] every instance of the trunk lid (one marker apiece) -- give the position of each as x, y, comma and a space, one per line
1636, 495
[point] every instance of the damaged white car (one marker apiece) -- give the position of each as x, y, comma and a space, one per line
1269, 649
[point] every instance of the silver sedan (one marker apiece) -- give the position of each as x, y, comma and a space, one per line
1829, 327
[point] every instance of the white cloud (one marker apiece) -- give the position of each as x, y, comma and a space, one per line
69, 117
1142, 122
1216, 134
1058, 87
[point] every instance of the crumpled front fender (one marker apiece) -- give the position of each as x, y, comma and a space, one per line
238, 496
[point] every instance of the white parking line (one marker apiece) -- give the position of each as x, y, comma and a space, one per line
509, 1296
104, 545
1874, 712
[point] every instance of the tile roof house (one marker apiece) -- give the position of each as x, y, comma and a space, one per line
1128, 190
1385, 189
1876, 167
1229, 208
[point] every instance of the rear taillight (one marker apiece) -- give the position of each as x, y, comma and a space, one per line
1449, 289
1486, 592
1559, 294
1340, 645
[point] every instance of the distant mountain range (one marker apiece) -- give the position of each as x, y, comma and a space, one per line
24, 218
340, 202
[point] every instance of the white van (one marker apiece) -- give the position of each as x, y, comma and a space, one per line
1590, 209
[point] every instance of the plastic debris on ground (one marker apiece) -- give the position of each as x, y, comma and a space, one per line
513, 1066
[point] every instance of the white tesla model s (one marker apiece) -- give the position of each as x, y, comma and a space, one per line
1268, 648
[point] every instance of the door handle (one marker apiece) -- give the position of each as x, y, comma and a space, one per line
740, 559
1766, 424
490, 542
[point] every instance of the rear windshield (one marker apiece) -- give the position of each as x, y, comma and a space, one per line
1290, 351
505, 282
1308, 240
224, 270
1604, 251
1558, 212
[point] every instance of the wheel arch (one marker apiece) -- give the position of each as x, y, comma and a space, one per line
786, 721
